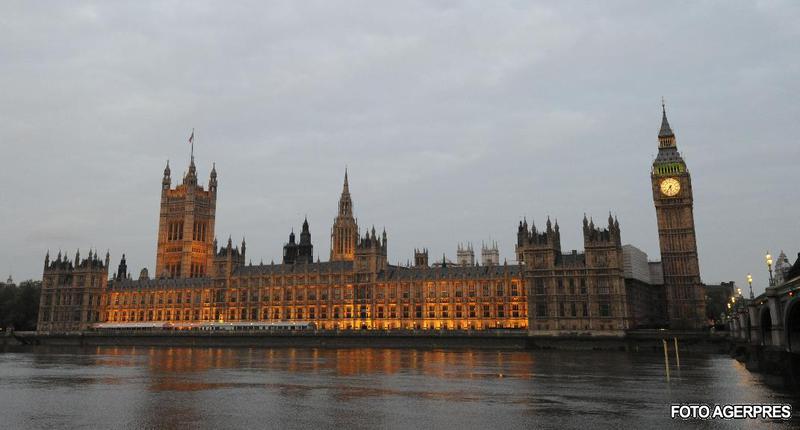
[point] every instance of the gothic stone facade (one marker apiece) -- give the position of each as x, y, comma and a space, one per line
74, 293
546, 292
674, 202
574, 292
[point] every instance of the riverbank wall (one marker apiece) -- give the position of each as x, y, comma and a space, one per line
651, 341
781, 367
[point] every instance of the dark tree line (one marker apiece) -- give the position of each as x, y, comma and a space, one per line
19, 305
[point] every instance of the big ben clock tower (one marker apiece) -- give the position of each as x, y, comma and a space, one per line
672, 195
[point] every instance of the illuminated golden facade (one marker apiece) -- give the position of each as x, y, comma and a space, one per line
186, 226
546, 291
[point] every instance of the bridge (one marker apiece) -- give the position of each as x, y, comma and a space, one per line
765, 330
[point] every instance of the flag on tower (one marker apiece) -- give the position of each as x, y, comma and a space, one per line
191, 138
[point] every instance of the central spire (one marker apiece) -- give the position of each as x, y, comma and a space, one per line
666, 138
345, 229
345, 202
666, 130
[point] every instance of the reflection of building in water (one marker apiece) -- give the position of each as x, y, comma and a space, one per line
546, 290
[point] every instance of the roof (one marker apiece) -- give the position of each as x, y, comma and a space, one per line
399, 273
160, 283
666, 130
668, 154
297, 268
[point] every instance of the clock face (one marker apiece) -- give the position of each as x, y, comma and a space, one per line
670, 187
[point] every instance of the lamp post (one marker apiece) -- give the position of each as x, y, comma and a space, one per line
750, 282
768, 259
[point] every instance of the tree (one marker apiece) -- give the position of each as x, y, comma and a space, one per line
19, 305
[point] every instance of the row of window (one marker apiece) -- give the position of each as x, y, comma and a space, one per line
199, 231
573, 310
300, 313
71, 299
289, 294
571, 286
68, 316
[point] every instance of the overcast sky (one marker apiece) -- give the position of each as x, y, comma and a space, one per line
455, 119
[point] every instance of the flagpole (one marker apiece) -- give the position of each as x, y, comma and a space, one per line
192, 141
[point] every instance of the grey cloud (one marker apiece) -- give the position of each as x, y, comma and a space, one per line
455, 119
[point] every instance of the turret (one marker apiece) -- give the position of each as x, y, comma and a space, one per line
212, 181
465, 255
305, 249
490, 255
421, 257
371, 255
122, 269
610, 234
191, 177
166, 182
227, 259
540, 249
290, 250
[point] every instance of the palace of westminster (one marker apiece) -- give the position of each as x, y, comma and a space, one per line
606, 289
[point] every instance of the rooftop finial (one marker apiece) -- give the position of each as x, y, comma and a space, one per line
665, 131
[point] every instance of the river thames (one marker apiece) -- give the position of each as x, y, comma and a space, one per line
220, 388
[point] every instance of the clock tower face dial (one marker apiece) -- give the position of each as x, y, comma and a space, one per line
670, 187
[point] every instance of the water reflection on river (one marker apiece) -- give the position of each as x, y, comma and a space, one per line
116, 387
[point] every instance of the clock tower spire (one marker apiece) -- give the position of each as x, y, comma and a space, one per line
674, 202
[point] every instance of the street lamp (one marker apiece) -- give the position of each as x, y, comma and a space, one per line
750, 282
768, 259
